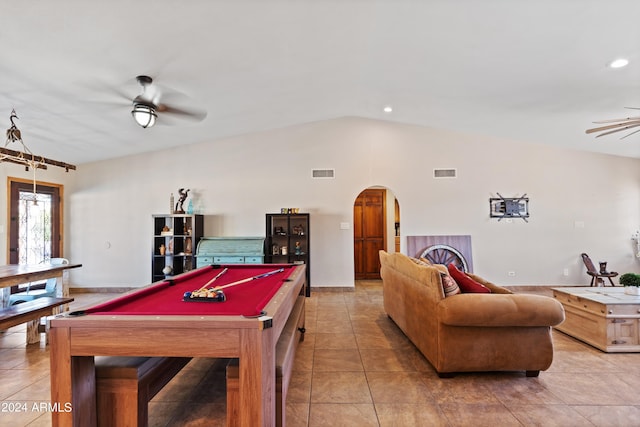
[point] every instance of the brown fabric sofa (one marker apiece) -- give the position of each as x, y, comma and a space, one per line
500, 331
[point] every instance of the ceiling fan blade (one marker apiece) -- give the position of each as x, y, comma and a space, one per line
631, 133
121, 94
617, 120
617, 125
193, 114
620, 129
100, 89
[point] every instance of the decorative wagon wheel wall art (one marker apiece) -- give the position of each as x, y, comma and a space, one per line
445, 254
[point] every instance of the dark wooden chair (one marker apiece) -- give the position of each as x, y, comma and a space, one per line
597, 276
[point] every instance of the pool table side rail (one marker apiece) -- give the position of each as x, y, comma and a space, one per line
296, 279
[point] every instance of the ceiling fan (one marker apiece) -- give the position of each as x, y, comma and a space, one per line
156, 100
617, 125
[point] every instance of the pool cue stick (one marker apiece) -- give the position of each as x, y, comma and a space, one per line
248, 279
212, 280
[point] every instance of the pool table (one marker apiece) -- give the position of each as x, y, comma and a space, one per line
157, 321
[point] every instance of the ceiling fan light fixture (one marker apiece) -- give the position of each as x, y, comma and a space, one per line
144, 114
619, 63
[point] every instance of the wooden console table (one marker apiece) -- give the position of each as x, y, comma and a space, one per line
606, 318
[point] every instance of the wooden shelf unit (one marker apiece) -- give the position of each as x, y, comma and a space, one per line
179, 243
287, 242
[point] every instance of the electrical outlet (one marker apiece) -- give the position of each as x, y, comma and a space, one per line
565, 272
511, 274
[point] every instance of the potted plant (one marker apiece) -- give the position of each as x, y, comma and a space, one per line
631, 283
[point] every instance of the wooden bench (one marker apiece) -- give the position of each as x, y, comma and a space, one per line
32, 312
291, 335
125, 385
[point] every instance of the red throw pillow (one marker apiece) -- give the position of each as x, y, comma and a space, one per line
466, 283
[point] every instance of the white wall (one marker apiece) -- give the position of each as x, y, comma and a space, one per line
235, 181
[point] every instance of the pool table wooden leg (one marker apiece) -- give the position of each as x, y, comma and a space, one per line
257, 375
73, 385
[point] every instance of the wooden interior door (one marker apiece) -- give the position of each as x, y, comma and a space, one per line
369, 234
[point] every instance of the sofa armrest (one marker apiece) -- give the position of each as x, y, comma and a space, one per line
500, 310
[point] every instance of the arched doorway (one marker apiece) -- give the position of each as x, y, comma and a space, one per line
376, 226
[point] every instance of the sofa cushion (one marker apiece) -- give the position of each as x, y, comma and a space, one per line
467, 284
519, 310
420, 261
449, 286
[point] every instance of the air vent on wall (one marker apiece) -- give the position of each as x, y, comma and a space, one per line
323, 173
445, 173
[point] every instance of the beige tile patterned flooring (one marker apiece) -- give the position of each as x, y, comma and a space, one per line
355, 368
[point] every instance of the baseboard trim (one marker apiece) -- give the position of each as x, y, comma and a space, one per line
333, 289
536, 287
103, 290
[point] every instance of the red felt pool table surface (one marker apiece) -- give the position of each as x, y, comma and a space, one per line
166, 297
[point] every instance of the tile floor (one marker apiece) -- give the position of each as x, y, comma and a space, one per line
355, 368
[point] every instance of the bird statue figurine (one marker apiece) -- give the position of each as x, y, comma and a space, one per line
13, 133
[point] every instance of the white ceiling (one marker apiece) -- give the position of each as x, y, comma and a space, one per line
519, 69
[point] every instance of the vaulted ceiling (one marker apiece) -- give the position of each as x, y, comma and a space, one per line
523, 70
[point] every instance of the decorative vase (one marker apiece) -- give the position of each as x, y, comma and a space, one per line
171, 203
603, 267
632, 290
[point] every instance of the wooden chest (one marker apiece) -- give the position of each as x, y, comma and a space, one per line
604, 317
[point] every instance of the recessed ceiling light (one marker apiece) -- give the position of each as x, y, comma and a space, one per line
619, 63
387, 108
